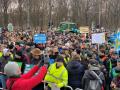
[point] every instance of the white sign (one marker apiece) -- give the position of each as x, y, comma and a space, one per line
10, 27
98, 38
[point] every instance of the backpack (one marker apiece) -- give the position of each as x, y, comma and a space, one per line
95, 84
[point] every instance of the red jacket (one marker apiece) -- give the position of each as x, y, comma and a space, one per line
27, 81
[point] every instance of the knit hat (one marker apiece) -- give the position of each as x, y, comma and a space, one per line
11, 69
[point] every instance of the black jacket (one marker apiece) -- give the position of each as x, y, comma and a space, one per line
75, 73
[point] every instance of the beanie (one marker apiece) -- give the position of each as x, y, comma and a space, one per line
11, 69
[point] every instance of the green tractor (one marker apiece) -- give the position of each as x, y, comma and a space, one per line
68, 27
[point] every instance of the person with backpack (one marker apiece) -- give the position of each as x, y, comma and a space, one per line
93, 78
57, 75
16, 81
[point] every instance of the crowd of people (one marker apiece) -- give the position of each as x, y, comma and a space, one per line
67, 59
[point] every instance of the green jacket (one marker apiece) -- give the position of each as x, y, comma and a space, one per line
59, 76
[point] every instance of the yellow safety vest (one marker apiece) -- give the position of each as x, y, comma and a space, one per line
12, 57
58, 76
1, 54
66, 60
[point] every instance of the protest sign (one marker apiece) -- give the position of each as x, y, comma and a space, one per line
98, 38
10, 27
113, 37
84, 29
117, 42
28, 67
40, 38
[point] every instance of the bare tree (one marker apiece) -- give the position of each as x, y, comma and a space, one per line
5, 5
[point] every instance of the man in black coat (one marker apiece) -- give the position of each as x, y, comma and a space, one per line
75, 73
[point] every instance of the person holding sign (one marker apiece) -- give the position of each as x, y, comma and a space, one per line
36, 56
16, 81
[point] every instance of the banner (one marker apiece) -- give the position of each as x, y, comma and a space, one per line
84, 29
28, 67
113, 37
40, 38
10, 27
117, 42
98, 38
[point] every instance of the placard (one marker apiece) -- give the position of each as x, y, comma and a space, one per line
84, 29
98, 38
40, 38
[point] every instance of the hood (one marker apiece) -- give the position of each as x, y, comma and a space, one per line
90, 75
75, 66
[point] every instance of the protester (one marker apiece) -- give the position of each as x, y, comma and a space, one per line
75, 68
36, 56
57, 74
77, 53
93, 78
16, 81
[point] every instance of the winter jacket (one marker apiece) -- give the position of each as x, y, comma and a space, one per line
28, 81
75, 73
59, 76
91, 76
